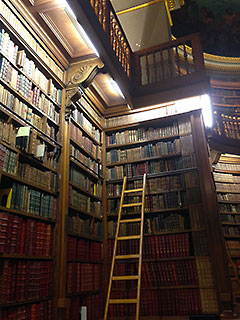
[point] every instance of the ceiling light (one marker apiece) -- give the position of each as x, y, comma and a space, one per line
78, 26
116, 87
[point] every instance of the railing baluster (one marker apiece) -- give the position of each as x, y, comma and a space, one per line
162, 65
185, 58
154, 67
147, 69
178, 68
170, 64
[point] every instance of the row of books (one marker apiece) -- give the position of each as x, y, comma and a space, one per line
84, 203
155, 247
231, 230
226, 100
42, 310
228, 166
87, 125
227, 187
82, 249
87, 161
25, 280
150, 167
161, 223
225, 177
141, 134
93, 302
152, 185
30, 39
84, 227
230, 218
169, 273
89, 185
229, 207
45, 179
19, 82
31, 145
146, 151
26, 112
155, 303
8, 160
225, 92
87, 145
24, 236
228, 197
83, 277
26, 199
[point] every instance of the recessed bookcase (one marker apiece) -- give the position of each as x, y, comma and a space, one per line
226, 175
226, 107
84, 251
30, 145
178, 265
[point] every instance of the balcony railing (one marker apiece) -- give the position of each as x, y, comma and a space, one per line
112, 27
150, 71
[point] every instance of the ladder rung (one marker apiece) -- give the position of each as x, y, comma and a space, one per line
118, 301
125, 277
132, 204
129, 237
130, 220
133, 190
128, 256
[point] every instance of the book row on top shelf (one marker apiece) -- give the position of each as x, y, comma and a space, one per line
28, 39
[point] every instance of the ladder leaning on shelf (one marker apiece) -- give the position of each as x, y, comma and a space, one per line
137, 256
234, 277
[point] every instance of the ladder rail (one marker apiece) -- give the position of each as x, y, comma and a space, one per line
115, 248
140, 249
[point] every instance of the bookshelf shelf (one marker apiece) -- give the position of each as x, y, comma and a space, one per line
141, 142
85, 261
85, 131
21, 121
167, 156
87, 237
225, 212
150, 193
228, 191
89, 214
86, 152
26, 182
29, 157
154, 175
25, 214
85, 191
227, 171
24, 257
87, 170
229, 236
19, 303
231, 223
89, 292
229, 201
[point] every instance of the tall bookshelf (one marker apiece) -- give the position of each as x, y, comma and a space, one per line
83, 269
30, 145
226, 173
178, 266
226, 107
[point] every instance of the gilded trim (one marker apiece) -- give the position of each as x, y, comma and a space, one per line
144, 5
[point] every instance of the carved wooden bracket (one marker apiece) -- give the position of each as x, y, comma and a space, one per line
79, 77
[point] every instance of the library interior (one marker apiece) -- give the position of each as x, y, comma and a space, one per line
119, 160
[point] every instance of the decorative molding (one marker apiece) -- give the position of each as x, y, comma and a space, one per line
79, 77
57, 33
79, 73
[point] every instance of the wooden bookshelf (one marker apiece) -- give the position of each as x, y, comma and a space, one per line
183, 180
226, 174
31, 217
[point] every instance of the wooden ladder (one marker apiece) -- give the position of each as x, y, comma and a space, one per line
137, 256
